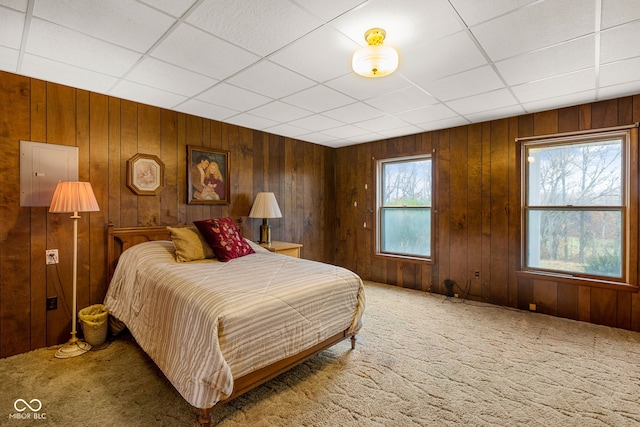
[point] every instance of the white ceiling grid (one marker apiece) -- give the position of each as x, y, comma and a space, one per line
283, 66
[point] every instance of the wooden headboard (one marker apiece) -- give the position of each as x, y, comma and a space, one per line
120, 239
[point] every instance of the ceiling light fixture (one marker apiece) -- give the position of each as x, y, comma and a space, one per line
375, 60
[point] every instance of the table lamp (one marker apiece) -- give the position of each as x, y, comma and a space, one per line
265, 206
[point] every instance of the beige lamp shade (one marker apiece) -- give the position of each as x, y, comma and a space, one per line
71, 197
265, 206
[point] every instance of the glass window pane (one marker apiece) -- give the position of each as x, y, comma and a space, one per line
406, 231
406, 183
575, 241
585, 174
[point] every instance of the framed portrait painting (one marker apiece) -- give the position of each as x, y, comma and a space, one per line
145, 174
207, 176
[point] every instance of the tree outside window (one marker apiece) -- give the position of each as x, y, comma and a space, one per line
404, 206
574, 205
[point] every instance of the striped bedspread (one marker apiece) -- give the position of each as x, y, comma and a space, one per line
206, 322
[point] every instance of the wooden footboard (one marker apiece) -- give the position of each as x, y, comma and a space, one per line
254, 379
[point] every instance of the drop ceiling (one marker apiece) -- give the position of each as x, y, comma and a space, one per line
283, 66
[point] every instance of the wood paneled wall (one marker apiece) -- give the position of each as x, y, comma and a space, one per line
327, 197
477, 224
108, 131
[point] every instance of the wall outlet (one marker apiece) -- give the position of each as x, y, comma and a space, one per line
532, 307
52, 256
52, 303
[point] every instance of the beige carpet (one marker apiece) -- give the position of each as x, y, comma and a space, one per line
421, 360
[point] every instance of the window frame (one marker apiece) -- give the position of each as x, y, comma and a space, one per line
379, 165
628, 207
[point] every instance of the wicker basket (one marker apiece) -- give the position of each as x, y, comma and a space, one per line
94, 324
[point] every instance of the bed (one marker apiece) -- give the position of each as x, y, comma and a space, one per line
219, 329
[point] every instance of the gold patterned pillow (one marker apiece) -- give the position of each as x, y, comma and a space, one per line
189, 243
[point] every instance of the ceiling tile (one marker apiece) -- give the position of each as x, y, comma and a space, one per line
426, 21
360, 87
280, 112
541, 24
485, 101
317, 123
345, 131
443, 57
329, 9
286, 129
427, 114
483, 116
267, 25
472, 82
170, 78
619, 90
616, 12
559, 59
45, 69
8, 59
63, 45
402, 100
251, 121
381, 124
20, 5
233, 97
11, 27
579, 81
355, 112
444, 124
194, 49
474, 12
271, 80
284, 65
620, 72
560, 101
403, 131
319, 98
620, 43
146, 94
320, 138
125, 23
323, 54
175, 8
203, 109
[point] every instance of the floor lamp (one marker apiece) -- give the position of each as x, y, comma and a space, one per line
73, 197
265, 206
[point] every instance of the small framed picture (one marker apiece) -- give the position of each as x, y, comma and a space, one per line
145, 174
207, 176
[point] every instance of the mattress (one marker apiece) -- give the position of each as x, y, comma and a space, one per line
207, 322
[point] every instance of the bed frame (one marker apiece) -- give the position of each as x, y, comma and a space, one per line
120, 239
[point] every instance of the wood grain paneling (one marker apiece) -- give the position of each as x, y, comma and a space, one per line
327, 197
477, 186
108, 131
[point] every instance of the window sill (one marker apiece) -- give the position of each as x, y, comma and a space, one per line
403, 258
579, 281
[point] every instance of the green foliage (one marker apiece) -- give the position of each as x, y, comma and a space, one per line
606, 264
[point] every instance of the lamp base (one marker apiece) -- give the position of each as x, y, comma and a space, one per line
72, 349
265, 232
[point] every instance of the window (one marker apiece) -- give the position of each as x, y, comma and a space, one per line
575, 205
404, 207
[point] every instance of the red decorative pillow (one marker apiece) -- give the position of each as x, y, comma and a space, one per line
224, 238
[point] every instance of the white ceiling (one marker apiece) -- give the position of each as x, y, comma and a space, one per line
283, 66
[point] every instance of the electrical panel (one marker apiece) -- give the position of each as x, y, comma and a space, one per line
42, 166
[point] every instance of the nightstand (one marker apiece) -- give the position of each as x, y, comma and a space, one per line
283, 248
